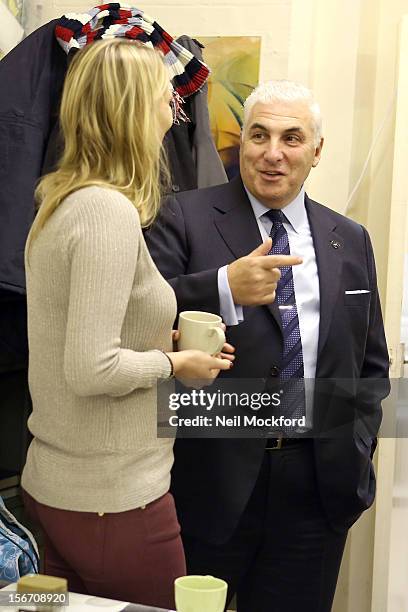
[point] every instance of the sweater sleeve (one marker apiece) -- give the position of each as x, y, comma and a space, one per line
103, 252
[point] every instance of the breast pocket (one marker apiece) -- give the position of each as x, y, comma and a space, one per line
357, 300
357, 314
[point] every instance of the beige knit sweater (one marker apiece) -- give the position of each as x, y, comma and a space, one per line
98, 310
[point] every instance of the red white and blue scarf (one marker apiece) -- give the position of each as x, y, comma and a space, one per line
76, 30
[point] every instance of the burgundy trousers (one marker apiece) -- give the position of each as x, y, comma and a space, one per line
133, 556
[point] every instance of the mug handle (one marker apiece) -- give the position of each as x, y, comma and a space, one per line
219, 339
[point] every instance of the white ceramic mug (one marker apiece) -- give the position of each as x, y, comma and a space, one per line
200, 330
200, 594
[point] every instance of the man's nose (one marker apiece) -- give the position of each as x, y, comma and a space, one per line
273, 152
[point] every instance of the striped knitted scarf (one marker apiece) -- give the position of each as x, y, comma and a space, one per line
76, 30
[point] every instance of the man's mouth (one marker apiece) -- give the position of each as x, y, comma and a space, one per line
272, 173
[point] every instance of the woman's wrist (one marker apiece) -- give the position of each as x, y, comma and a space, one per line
177, 359
172, 373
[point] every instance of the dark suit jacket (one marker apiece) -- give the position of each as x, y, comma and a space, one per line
197, 233
31, 78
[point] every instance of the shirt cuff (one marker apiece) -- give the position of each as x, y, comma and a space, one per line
231, 313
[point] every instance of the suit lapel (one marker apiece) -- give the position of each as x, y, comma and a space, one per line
328, 245
235, 221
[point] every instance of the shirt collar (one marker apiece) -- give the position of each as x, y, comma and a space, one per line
295, 211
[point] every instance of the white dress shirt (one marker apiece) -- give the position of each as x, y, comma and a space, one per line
305, 277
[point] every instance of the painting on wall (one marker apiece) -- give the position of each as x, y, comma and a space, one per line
15, 7
234, 63
11, 32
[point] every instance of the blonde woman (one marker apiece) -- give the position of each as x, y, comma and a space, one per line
100, 318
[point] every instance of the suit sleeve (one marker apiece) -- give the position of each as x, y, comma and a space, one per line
172, 245
374, 380
376, 361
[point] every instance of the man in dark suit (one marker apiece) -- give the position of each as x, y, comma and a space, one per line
270, 515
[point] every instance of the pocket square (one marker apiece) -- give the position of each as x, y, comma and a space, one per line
357, 291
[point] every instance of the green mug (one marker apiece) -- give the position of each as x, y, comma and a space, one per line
200, 594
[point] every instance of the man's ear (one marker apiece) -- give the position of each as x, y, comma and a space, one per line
318, 153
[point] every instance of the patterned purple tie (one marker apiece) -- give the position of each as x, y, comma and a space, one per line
293, 403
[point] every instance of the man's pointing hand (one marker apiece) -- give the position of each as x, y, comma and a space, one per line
253, 278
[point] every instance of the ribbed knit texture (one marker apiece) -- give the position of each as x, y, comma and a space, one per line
98, 311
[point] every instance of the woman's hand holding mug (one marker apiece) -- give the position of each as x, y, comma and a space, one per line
196, 367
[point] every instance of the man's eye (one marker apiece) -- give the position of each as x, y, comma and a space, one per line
258, 136
292, 138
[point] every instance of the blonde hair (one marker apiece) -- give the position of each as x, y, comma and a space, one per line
110, 127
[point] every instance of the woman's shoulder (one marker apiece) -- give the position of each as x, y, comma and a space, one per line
99, 195
99, 201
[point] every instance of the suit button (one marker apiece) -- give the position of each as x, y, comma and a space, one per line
176, 188
275, 371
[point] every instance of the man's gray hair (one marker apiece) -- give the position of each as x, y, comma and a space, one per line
285, 91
